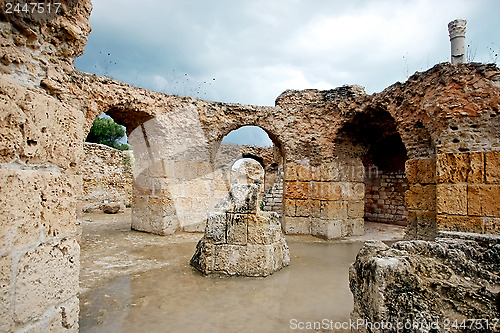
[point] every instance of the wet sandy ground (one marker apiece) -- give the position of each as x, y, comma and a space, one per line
138, 282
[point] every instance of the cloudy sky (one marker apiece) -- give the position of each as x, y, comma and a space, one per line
250, 51
256, 49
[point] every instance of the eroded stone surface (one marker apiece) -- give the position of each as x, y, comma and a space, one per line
240, 240
414, 281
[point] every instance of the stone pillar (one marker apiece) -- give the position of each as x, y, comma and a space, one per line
240, 239
456, 30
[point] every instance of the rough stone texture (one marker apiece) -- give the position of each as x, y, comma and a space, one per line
384, 198
107, 176
416, 281
241, 240
449, 114
111, 208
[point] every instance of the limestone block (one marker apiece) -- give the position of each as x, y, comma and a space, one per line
491, 225
185, 170
307, 208
204, 170
66, 317
290, 172
59, 198
460, 223
451, 199
230, 259
327, 229
222, 186
452, 168
327, 191
421, 197
156, 169
356, 191
250, 244
200, 206
160, 187
355, 209
316, 173
167, 170
476, 168
353, 227
161, 206
21, 214
336, 210
159, 225
324, 172
439, 273
139, 204
7, 309
259, 260
483, 200
197, 188
143, 186
304, 173
32, 122
421, 225
264, 229
297, 190
237, 230
492, 161
422, 170
288, 207
183, 204
46, 275
296, 225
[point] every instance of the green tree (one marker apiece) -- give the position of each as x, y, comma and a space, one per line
105, 131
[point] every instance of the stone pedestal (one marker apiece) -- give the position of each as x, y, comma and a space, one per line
241, 240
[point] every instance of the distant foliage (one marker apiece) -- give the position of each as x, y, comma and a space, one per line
105, 131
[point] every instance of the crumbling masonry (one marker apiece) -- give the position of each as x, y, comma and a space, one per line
441, 126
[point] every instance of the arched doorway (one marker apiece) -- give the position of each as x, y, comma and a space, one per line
257, 145
372, 138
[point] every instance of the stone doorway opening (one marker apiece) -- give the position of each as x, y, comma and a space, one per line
373, 138
257, 150
106, 167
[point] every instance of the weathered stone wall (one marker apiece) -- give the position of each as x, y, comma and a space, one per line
106, 176
414, 284
467, 192
326, 200
40, 142
40, 149
179, 176
384, 197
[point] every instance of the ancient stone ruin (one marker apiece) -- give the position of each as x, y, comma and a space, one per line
426, 283
240, 239
435, 140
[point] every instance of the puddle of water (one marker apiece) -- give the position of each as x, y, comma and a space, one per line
139, 282
176, 298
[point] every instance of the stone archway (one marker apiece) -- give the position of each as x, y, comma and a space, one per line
372, 138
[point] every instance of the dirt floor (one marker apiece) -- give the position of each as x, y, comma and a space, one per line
132, 281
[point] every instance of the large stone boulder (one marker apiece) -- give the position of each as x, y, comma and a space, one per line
427, 286
241, 240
